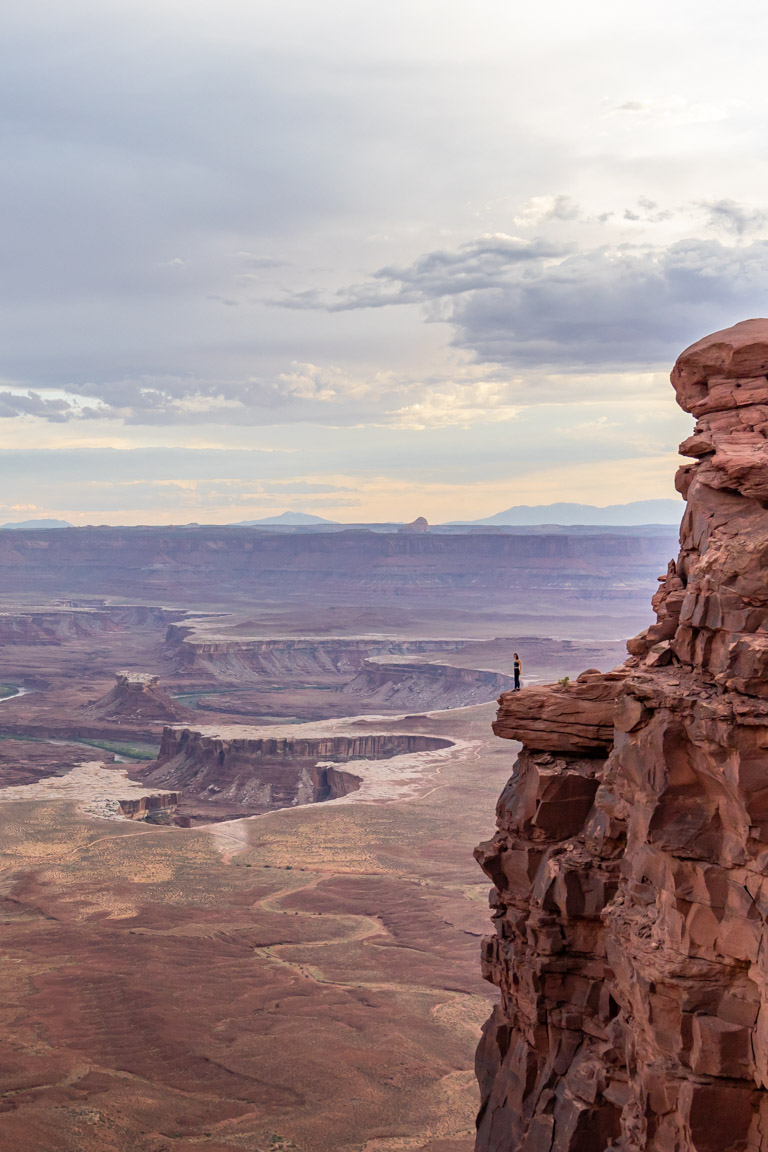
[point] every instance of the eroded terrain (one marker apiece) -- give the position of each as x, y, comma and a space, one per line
297, 967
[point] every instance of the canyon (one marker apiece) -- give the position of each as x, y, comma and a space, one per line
229, 567
239, 903
238, 771
629, 864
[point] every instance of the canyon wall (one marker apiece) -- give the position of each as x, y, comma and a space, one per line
228, 564
390, 683
249, 659
252, 771
58, 625
159, 805
630, 866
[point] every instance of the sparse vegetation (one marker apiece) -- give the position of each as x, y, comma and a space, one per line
135, 751
565, 681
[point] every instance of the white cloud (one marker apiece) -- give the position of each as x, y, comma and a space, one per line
540, 209
463, 406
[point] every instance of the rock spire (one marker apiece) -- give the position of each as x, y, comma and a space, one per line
630, 866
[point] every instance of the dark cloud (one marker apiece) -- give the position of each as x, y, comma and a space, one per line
534, 305
182, 401
733, 217
607, 308
477, 266
32, 404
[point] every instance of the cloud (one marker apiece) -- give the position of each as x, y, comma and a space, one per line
460, 406
476, 265
539, 305
463, 394
519, 311
540, 209
56, 409
648, 212
733, 217
611, 307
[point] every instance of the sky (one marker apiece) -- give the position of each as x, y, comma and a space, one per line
363, 259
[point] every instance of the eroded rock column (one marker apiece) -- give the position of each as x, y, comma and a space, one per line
630, 866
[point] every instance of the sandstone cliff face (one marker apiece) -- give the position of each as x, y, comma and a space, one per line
161, 804
253, 770
630, 867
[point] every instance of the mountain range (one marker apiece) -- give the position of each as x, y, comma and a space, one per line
636, 512
20, 525
292, 518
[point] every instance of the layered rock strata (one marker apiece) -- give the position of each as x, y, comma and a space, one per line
244, 770
137, 696
630, 866
250, 659
152, 807
392, 683
56, 626
240, 565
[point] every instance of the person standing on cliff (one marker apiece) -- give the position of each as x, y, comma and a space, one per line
516, 670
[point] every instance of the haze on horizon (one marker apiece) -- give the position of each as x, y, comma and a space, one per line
365, 261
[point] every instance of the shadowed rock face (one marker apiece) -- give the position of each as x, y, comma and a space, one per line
630, 867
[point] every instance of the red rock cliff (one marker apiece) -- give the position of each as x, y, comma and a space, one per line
630, 866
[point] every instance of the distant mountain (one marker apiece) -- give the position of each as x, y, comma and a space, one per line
637, 512
287, 518
22, 524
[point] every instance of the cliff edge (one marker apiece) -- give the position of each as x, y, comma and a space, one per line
630, 866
